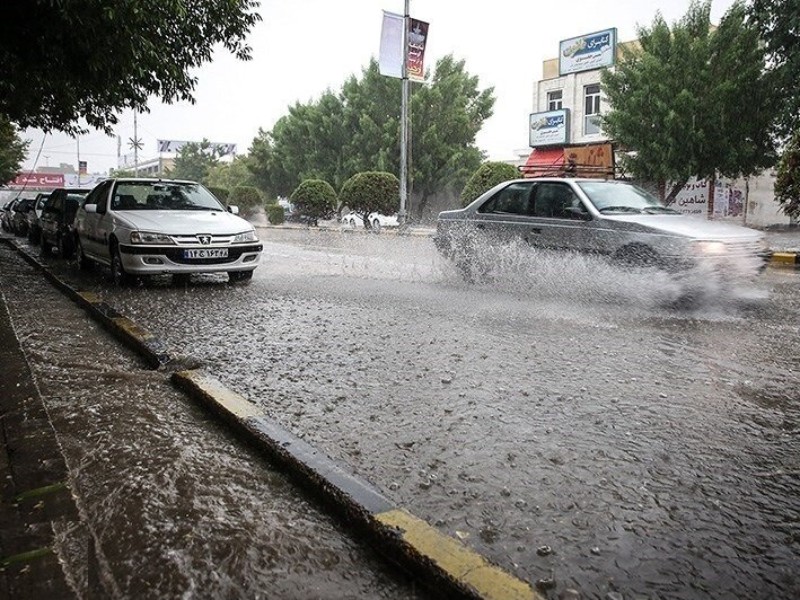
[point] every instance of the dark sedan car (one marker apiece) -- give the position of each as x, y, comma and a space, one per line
19, 215
34, 227
57, 229
5, 216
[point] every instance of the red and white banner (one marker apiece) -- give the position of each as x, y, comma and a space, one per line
390, 58
37, 180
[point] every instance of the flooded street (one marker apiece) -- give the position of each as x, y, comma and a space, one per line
562, 417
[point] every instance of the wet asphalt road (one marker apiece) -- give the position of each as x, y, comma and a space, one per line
564, 403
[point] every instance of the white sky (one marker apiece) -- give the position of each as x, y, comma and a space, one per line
303, 47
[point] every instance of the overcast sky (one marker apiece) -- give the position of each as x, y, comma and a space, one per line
303, 47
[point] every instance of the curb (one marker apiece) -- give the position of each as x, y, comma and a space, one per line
442, 560
392, 231
451, 568
785, 259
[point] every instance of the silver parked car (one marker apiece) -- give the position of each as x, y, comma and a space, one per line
611, 218
152, 226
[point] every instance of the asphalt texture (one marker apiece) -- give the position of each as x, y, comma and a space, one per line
43, 531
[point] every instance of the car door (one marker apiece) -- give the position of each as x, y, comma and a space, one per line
506, 215
49, 218
560, 220
91, 226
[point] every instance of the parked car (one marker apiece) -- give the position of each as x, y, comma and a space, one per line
7, 214
376, 220
611, 218
19, 215
149, 227
57, 221
34, 228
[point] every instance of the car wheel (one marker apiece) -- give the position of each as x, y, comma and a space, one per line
234, 276
376, 225
118, 274
64, 247
34, 236
83, 261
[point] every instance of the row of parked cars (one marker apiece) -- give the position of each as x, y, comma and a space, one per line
139, 227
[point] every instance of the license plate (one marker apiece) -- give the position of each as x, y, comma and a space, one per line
206, 253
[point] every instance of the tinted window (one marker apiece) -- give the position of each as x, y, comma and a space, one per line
513, 199
557, 200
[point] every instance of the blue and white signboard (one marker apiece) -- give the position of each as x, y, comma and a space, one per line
587, 52
549, 128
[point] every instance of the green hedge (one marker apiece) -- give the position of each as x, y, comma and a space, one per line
314, 198
371, 191
246, 197
221, 193
275, 214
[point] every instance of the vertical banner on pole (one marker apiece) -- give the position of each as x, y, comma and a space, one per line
417, 37
390, 59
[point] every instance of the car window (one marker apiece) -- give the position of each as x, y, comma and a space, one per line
513, 199
618, 196
99, 196
558, 201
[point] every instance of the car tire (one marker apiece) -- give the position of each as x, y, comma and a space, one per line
376, 226
34, 236
118, 274
234, 276
83, 261
65, 249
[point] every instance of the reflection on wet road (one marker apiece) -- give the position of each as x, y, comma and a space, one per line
562, 403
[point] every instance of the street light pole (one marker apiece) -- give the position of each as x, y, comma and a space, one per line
401, 215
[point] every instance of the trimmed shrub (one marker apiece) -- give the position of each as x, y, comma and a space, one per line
488, 175
371, 191
246, 197
221, 193
275, 214
314, 199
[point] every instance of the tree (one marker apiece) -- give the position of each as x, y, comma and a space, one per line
315, 199
358, 130
246, 197
677, 100
195, 161
787, 184
69, 59
371, 191
778, 22
229, 174
488, 175
12, 151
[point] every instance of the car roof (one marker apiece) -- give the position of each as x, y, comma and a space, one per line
150, 180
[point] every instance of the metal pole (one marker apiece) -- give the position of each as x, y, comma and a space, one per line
78, 140
135, 146
401, 216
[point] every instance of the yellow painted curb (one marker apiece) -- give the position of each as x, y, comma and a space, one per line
232, 402
784, 258
132, 329
90, 297
458, 561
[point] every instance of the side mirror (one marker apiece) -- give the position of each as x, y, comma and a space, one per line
233, 209
90, 208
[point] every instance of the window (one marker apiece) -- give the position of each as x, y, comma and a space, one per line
555, 100
557, 200
591, 109
510, 200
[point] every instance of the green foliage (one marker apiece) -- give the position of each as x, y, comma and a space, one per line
246, 197
195, 161
104, 57
314, 198
358, 130
778, 23
275, 214
221, 193
371, 191
678, 100
488, 175
12, 150
229, 174
787, 184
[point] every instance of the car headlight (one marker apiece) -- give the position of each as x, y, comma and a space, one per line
708, 248
247, 236
148, 237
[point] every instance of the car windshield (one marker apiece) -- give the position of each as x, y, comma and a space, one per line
158, 195
608, 196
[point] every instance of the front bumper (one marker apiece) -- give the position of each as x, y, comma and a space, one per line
154, 260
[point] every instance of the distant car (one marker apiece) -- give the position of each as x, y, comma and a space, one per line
149, 227
376, 220
34, 228
611, 218
19, 216
56, 224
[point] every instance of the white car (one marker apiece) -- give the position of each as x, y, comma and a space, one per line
153, 226
376, 220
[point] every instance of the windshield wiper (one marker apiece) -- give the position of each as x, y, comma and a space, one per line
660, 209
621, 209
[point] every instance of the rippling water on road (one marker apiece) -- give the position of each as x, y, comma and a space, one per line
565, 403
